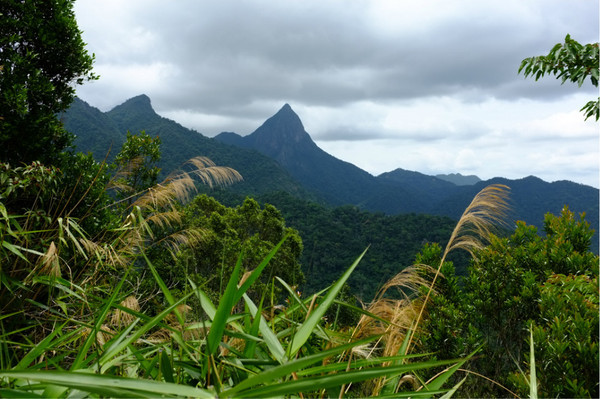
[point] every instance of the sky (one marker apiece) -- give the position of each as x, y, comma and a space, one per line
428, 86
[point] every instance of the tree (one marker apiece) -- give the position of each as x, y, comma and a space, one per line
570, 61
246, 229
136, 164
550, 281
42, 57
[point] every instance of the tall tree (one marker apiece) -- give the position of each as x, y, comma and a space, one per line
43, 57
570, 61
136, 163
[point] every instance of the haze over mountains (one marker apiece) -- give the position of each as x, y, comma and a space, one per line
281, 156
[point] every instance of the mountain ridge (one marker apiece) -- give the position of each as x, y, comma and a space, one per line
178, 144
292, 160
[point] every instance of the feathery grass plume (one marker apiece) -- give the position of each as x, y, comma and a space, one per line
396, 316
156, 206
49, 263
479, 220
121, 318
399, 314
210, 174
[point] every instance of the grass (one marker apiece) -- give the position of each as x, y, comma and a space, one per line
90, 338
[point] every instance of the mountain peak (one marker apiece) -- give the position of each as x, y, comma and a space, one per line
139, 101
284, 128
286, 117
286, 108
138, 107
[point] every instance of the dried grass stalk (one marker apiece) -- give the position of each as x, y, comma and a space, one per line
121, 318
477, 223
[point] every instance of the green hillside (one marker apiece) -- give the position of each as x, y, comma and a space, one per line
97, 132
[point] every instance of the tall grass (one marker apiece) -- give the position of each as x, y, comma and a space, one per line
398, 319
93, 339
235, 354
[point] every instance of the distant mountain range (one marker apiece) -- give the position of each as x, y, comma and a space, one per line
281, 156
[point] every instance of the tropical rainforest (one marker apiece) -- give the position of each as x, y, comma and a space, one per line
119, 278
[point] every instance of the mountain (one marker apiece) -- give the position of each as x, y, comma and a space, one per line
458, 179
530, 199
282, 137
281, 156
98, 132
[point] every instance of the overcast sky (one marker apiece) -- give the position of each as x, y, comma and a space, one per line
429, 86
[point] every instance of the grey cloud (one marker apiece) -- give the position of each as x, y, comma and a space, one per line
236, 62
229, 54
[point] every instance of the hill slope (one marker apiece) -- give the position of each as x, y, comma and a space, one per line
282, 137
96, 131
281, 156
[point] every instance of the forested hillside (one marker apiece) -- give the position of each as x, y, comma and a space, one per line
100, 133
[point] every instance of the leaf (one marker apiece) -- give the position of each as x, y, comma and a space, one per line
533, 394
453, 390
15, 250
117, 347
269, 336
37, 350
109, 386
286, 369
250, 347
316, 315
83, 349
163, 287
312, 384
165, 367
224, 310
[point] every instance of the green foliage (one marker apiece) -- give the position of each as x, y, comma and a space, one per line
83, 193
248, 229
21, 187
513, 282
568, 61
230, 353
136, 164
566, 337
330, 235
42, 57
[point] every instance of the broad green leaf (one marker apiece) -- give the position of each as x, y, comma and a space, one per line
226, 304
165, 367
307, 328
250, 346
317, 383
15, 393
15, 250
269, 336
109, 386
272, 375
453, 390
